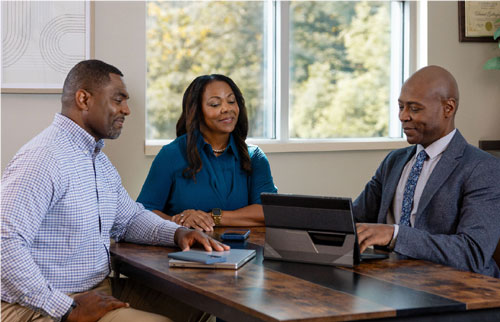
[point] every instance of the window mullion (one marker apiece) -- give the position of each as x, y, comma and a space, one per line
282, 70
269, 74
397, 51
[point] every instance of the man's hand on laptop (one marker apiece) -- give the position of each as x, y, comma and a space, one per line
185, 238
374, 234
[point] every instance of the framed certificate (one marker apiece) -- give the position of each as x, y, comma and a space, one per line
42, 41
477, 20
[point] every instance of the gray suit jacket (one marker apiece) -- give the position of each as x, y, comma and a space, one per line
458, 218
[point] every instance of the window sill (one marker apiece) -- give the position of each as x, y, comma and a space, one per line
275, 146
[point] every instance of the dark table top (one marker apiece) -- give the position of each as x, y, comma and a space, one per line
281, 291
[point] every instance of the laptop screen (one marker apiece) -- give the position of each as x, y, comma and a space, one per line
308, 212
310, 229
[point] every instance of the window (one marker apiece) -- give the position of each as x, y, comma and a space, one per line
192, 38
307, 69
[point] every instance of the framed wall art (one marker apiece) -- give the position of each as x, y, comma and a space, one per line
477, 20
41, 41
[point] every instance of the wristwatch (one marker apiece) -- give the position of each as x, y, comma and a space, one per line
217, 216
66, 315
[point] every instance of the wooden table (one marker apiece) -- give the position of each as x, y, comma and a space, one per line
264, 290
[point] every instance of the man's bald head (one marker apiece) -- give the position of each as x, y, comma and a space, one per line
435, 80
428, 104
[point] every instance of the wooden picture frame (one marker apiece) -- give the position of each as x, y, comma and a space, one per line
493, 148
463, 20
42, 42
489, 145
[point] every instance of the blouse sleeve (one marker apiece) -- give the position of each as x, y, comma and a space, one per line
156, 188
261, 179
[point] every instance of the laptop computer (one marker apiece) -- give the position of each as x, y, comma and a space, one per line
235, 258
311, 229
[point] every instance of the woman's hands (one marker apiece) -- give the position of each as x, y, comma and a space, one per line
248, 216
196, 219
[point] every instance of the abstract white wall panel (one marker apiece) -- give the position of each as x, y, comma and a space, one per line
41, 41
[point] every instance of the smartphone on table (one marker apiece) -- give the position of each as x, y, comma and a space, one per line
235, 234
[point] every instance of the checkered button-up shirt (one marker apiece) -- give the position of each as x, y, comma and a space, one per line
62, 200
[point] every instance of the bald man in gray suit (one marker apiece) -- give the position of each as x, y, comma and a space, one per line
443, 206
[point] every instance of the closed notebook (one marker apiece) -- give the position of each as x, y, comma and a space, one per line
199, 256
235, 258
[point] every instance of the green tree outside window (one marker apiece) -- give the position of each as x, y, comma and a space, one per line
339, 63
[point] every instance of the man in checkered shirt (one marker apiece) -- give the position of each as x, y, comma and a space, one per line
62, 201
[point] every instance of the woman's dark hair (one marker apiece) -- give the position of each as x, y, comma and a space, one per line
192, 115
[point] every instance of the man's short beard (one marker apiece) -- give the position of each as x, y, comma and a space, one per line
114, 135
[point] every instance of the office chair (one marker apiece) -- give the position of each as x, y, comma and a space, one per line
493, 147
496, 254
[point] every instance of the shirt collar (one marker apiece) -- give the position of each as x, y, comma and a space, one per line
437, 147
82, 139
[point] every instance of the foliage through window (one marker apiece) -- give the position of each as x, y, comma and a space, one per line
338, 59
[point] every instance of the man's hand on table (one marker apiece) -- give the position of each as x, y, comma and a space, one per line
185, 238
93, 305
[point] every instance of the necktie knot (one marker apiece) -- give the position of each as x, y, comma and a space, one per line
421, 156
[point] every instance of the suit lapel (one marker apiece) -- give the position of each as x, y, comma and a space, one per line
392, 183
446, 165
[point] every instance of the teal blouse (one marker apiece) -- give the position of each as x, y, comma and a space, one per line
221, 182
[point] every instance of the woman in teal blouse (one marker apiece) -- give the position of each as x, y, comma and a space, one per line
209, 176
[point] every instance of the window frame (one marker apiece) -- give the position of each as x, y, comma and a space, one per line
413, 24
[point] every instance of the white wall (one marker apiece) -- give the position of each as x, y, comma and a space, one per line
119, 29
479, 111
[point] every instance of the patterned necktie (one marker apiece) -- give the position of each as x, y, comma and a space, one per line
410, 188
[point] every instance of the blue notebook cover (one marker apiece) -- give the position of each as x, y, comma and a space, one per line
197, 256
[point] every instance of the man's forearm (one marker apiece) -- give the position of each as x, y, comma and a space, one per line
148, 228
